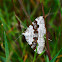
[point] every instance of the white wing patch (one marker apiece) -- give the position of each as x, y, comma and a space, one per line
35, 34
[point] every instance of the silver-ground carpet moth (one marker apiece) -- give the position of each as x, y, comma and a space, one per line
34, 34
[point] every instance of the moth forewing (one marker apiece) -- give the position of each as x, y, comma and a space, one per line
35, 34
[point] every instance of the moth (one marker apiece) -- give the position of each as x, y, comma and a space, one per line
34, 34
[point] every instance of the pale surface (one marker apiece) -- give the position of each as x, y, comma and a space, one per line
29, 34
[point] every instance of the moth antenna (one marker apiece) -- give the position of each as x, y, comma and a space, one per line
18, 37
